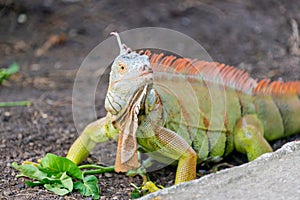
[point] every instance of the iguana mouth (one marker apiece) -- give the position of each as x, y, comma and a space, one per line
119, 115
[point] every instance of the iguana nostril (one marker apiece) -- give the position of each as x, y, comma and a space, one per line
146, 68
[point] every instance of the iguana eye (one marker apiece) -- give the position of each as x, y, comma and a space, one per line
122, 67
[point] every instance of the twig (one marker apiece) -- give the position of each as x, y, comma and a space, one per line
97, 169
14, 103
52, 40
294, 40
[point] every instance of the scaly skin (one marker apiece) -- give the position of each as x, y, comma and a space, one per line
177, 113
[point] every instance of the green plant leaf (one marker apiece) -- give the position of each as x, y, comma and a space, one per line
57, 189
42, 182
56, 165
6, 73
29, 171
135, 194
57, 173
13, 68
66, 181
33, 183
46, 180
89, 187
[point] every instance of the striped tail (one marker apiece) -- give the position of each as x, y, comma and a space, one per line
265, 86
278, 105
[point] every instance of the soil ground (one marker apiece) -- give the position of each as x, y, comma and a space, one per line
252, 35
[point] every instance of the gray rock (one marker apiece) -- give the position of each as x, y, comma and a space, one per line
271, 176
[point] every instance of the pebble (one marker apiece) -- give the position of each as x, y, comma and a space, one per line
44, 115
7, 193
7, 116
35, 67
185, 21
108, 175
20, 46
22, 18
20, 186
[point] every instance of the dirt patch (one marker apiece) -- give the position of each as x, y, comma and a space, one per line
251, 35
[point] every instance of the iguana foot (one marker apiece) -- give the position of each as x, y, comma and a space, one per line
147, 186
150, 187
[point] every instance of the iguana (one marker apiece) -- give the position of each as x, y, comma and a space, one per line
188, 110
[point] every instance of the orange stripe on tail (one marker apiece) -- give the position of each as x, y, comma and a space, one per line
265, 86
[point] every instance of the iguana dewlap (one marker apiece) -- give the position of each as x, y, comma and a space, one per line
188, 110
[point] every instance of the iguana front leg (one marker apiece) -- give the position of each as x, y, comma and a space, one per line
98, 131
177, 148
171, 145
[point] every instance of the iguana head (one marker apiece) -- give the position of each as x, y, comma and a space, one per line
130, 72
130, 77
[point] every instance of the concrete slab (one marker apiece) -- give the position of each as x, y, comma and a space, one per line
271, 176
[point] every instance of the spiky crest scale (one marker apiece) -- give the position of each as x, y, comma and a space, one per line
230, 76
211, 71
266, 86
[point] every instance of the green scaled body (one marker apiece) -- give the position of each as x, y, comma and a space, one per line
217, 118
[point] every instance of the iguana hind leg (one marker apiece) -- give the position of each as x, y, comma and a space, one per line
249, 137
95, 132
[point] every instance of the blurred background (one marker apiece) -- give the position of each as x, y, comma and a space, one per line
50, 38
